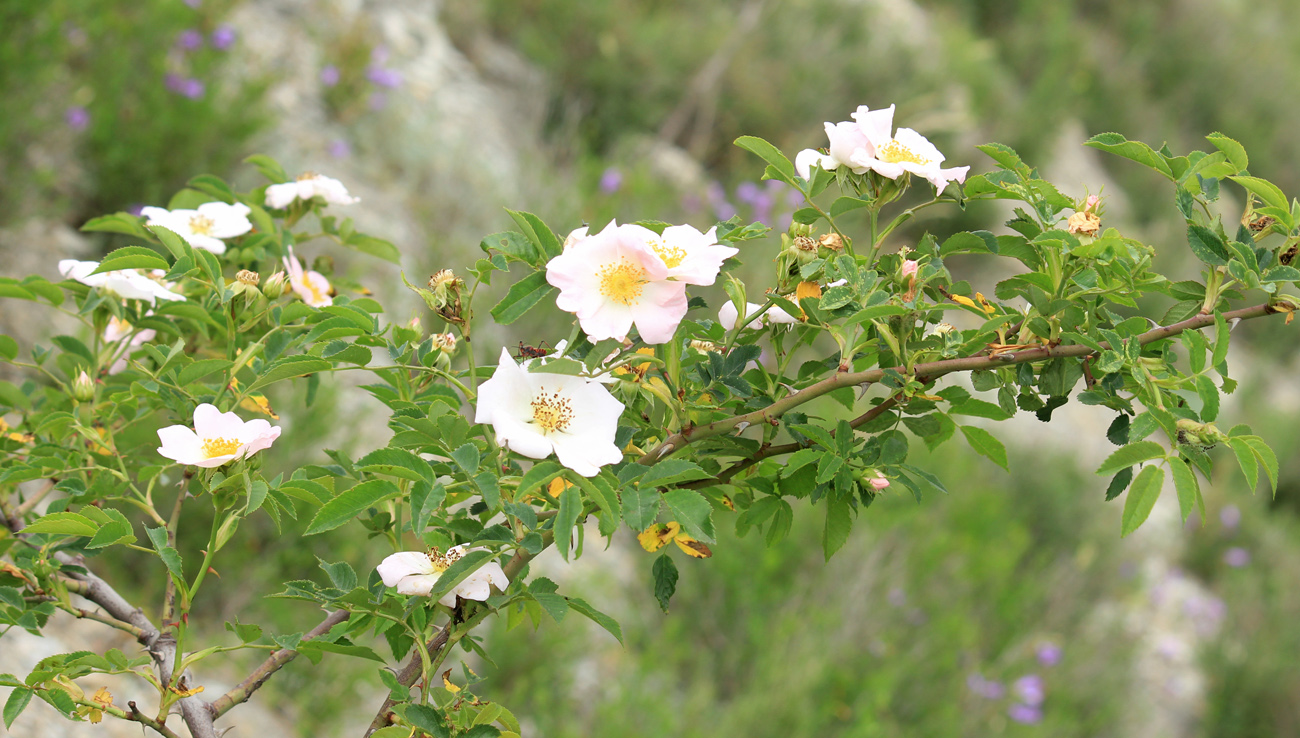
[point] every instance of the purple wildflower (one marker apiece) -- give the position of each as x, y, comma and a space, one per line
136, 209
1207, 613
77, 118
378, 100
190, 40
724, 210
340, 149
1048, 653
690, 202
390, 78
1025, 714
173, 82
1029, 689
747, 192
192, 88
783, 221
223, 38
379, 55
793, 197
329, 76
1236, 557
610, 180
986, 688
1230, 517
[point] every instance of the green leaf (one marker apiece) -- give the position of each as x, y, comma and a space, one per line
8, 348
427, 719
116, 530
376, 247
1264, 190
602, 493
340, 573
1119, 483
1133, 453
1137, 151
1209, 395
979, 408
1281, 274
467, 458
839, 521
1222, 337
1142, 496
344, 649
541, 473
21, 696
1266, 457
672, 471
986, 445
170, 557
538, 232
1207, 245
457, 572
200, 369
665, 577
63, 523
117, 223
640, 507
772, 155
270, 168
844, 205
131, 257
1189, 490
570, 509
288, 367
1235, 152
689, 508
596, 616
396, 462
351, 504
523, 296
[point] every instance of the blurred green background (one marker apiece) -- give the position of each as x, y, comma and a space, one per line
1011, 606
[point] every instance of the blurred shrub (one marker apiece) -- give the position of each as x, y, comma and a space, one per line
105, 104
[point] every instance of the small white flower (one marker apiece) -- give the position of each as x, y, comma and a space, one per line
118, 329
129, 284
217, 438
904, 151
311, 286
205, 227
727, 315
846, 140
307, 186
688, 255
537, 414
416, 573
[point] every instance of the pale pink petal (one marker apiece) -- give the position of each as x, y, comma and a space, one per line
875, 124
662, 307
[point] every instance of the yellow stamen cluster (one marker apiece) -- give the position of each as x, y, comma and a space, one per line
443, 561
895, 152
551, 412
201, 224
623, 282
214, 447
672, 255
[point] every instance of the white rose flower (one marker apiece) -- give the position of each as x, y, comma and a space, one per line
537, 414
688, 255
727, 315
904, 151
129, 284
311, 286
416, 573
118, 329
217, 438
307, 186
205, 227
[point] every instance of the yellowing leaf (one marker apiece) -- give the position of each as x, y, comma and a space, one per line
258, 404
692, 547
727, 503
446, 682
558, 485
187, 692
807, 289
657, 536
103, 697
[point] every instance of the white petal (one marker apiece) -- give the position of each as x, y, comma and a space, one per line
421, 585
280, 195
806, 159
919, 145
507, 394
473, 587
404, 564
179, 443
876, 124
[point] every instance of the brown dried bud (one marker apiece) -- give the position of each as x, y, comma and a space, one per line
1084, 222
832, 241
804, 243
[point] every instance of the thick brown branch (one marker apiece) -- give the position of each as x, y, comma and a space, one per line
273, 663
927, 371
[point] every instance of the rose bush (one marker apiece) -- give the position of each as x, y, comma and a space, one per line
660, 417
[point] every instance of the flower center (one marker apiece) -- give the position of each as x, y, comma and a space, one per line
443, 561
214, 447
317, 295
201, 225
672, 255
307, 175
895, 152
623, 282
551, 412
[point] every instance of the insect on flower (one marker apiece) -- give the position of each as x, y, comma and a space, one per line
532, 352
